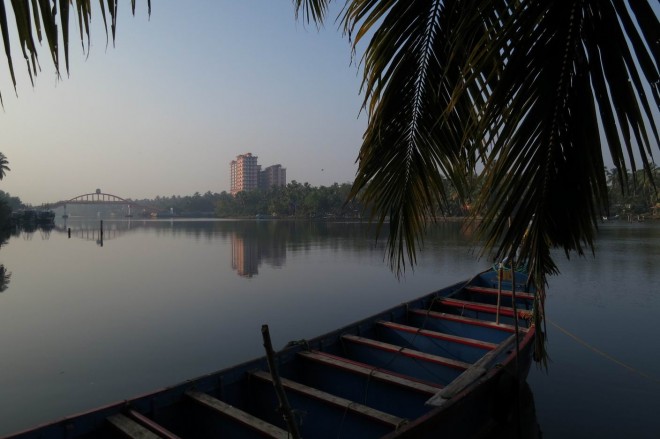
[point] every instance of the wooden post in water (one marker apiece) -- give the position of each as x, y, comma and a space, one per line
101, 235
285, 408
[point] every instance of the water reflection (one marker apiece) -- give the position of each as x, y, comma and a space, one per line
5, 277
179, 287
518, 422
254, 243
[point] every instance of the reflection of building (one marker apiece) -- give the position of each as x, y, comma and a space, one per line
272, 176
244, 255
244, 173
274, 254
248, 251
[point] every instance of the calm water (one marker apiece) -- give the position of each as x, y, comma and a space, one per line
85, 322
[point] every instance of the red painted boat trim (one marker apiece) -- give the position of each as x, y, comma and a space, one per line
439, 335
467, 320
410, 353
482, 307
495, 291
457, 399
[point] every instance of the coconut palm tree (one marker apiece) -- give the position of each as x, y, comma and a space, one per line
3, 166
523, 88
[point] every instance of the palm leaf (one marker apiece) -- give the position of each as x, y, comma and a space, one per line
527, 87
408, 150
311, 10
40, 16
5, 38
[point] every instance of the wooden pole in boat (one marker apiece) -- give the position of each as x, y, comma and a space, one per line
500, 273
516, 386
285, 408
515, 309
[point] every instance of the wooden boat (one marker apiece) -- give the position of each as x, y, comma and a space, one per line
444, 365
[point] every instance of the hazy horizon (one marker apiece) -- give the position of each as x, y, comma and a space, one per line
181, 94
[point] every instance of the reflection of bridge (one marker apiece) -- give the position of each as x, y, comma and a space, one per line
99, 197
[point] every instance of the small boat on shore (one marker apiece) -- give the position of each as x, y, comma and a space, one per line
445, 365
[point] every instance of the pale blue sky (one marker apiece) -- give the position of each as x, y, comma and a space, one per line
181, 94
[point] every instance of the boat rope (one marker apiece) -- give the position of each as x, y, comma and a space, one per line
603, 354
343, 418
302, 342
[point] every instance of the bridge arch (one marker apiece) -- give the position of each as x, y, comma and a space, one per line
99, 197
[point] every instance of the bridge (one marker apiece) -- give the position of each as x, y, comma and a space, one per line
99, 197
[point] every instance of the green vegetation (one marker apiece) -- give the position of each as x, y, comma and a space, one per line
635, 193
298, 200
301, 200
7, 202
293, 200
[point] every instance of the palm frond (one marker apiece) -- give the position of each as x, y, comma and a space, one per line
312, 10
407, 151
526, 86
566, 72
40, 17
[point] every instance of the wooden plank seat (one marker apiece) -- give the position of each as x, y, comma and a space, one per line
494, 292
403, 360
152, 425
342, 406
481, 310
460, 348
381, 389
130, 428
456, 324
228, 411
372, 372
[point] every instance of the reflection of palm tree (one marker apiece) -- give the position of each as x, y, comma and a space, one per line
3, 166
5, 276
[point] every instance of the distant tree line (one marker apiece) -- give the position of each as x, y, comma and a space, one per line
301, 200
635, 194
7, 202
296, 199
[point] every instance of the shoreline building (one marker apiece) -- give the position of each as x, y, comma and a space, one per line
274, 175
246, 174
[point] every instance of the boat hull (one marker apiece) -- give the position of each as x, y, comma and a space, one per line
444, 365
